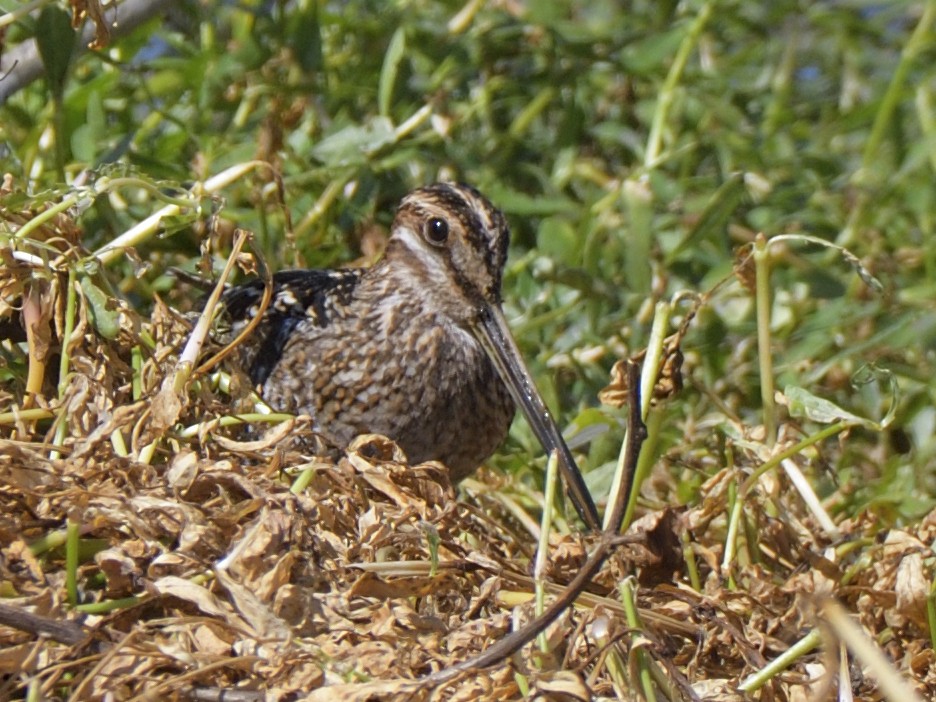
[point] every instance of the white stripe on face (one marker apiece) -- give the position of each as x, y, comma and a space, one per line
419, 249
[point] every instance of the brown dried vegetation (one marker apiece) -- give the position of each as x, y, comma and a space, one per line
211, 575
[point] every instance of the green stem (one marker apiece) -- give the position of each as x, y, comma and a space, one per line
142, 231
919, 41
331, 193
136, 362
777, 459
16, 15
692, 568
108, 605
234, 420
46, 215
48, 542
302, 480
649, 374
654, 424
731, 538
765, 360
72, 533
931, 613
781, 662
105, 185
629, 600
542, 549
668, 91
26, 415
58, 126
71, 305
736, 499
526, 116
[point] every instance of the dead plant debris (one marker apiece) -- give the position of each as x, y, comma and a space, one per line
203, 574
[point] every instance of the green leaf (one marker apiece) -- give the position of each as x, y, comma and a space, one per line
304, 34
871, 373
802, 403
84, 139
717, 214
56, 41
557, 239
652, 52
389, 70
355, 144
105, 320
517, 203
639, 201
82, 143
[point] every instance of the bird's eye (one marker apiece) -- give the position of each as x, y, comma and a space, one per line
437, 231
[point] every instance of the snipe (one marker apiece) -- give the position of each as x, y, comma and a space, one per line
415, 348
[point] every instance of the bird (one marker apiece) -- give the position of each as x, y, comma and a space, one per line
415, 347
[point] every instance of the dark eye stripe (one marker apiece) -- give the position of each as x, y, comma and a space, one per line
485, 227
467, 205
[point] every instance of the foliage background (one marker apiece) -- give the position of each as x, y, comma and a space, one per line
786, 118
635, 147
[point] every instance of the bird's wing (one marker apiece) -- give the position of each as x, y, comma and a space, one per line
298, 296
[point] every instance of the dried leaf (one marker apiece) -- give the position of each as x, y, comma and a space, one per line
92, 9
194, 594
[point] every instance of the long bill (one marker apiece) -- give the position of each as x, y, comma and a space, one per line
492, 331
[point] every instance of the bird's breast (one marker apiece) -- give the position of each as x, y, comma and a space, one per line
408, 373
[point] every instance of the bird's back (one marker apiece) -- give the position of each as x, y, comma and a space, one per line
306, 296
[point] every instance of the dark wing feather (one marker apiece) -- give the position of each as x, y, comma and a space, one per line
298, 296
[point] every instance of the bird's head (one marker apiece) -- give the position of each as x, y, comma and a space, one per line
452, 242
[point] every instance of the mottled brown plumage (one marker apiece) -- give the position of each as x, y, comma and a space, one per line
414, 348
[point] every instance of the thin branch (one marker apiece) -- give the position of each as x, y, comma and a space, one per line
65, 632
22, 64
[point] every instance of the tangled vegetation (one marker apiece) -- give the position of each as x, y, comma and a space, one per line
751, 181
